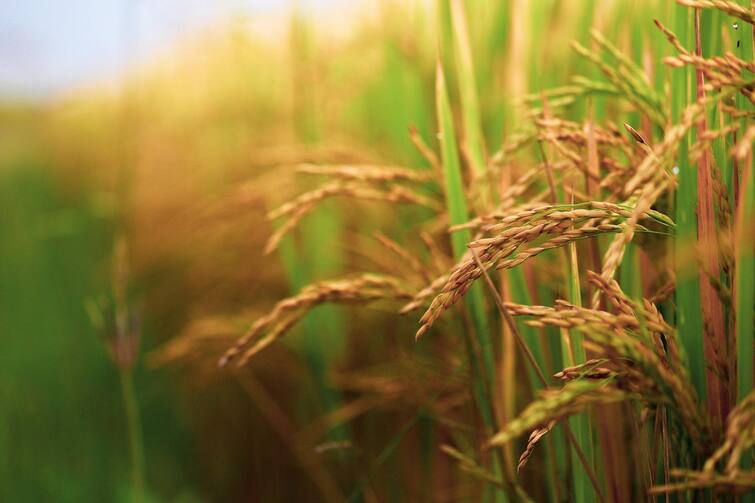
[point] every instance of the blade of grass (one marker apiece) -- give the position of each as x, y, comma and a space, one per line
580, 424
513, 280
467, 88
535, 367
715, 337
574, 353
457, 208
688, 318
609, 419
744, 280
483, 371
553, 340
745, 287
457, 204
745, 269
474, 150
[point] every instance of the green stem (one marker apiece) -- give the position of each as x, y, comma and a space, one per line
745, 261
135, 440
483, 367
688, 310
580, 423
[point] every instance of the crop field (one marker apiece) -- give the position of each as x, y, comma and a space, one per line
447, 250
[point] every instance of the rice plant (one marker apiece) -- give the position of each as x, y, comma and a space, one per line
582, 281
449, 250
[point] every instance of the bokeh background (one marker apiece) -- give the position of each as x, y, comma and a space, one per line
161, 120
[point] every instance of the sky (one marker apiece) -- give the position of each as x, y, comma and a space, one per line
48, 47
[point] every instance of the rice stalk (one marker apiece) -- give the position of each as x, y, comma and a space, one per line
286, 313
536, 367
306, 203
689, 319
731, 8
555, 405
482, 363
640, 343
739, 437
544, 228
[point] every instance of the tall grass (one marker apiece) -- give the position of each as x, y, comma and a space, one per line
479, 347
688, 293
661, 359
574, 254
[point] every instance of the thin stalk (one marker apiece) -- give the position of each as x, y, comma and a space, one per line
483, 368
538, 371
135, 439
688, 317
666, 450
467, 89
552, 341
744, 279
715, 336
745, 290
513, 281
580, 423
573, 353
508, 381
457, 208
